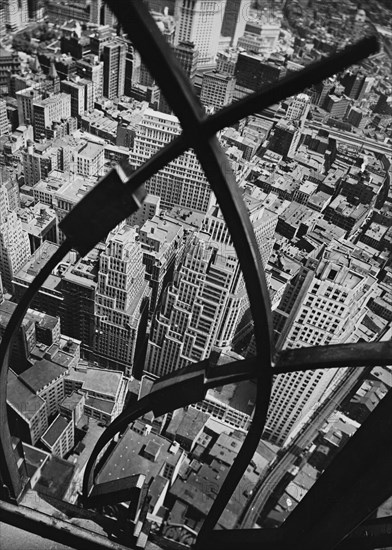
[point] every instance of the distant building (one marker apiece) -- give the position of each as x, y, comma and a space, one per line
14, 241
188, 56
90, 160
180, 183
114, 69
77, 93
45, 111
217, 90
200, 22
235, 16
91, 69
253, 72
59, 437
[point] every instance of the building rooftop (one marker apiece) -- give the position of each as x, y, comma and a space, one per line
90, 150
41, 374
127, 457
55, 478
100, 404
187, 424
55, 430
34, 458
101, 381
21, 398
34, 265
71, 401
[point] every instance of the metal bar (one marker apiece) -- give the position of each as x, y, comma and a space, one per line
361, 354
180, 95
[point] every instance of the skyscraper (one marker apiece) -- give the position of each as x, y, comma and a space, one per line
180, 183
188, 56
4, 124
95, 11
235, 18
299, 108
121, 306
200, 310
217, 89
14, 241
114, 69
329, 303
200, 21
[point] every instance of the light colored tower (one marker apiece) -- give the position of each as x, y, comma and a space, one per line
4, 123
14, 241
299, 108
108, 17
114, 69
329, 303
121, 302
200, 22
95, 11
180, 183
200, 310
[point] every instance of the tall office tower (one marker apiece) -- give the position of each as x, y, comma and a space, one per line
35, 9
329, 303
299, 108
77, 93
217, 89
78, 287
162, 241
3, 28
121, 306
237, 13
1, 291
49, 110
108, 17
263, 221
253, 72
200, 310
14, 241
188, 56
114, 69
25, 99
16, 14
180, 183
200, 21
285, 138
54, 79
4, 123
95, 11
91, 68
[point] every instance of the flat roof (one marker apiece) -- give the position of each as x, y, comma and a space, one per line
55, 430
41, 374
21, 398
127, 458
90, 150
56, 477
100, 404
98, 380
